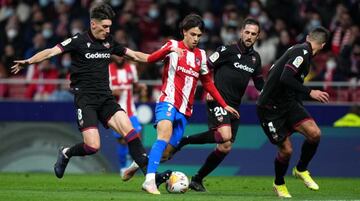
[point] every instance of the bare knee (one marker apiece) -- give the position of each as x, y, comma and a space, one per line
313, 135
225, 147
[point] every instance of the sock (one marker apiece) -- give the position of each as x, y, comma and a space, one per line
210, 136
137, 150
155, 155
150, 176
212, 161
80, 149
122, 152
308, 150
281, 166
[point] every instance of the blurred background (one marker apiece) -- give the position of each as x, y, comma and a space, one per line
37, 113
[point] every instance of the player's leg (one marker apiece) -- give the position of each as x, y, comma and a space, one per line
212, 161
87, 123
165, 115
219, 124
312, 134
120, 122
281, 164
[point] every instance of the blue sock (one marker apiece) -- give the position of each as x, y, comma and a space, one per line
155, 155
122, 151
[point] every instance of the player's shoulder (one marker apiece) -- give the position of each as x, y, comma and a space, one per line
301, 49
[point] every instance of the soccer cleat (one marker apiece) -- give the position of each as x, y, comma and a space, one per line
150, 187
305, 176
162, 177
281, 191
197, 185
61, 163
130, 171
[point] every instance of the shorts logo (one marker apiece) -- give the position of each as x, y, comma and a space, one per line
168, 114
220, 118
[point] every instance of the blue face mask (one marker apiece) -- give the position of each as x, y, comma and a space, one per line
315, 23
47, 33
209, 24
66, 63
254, 11
153, 13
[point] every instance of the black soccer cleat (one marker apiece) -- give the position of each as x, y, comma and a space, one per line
162, 177
61, 163
197, 185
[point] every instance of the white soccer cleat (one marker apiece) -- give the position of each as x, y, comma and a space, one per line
150, 187
129, 172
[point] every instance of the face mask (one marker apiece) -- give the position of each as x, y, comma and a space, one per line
12, 33
208, 23
47, 33
229, 37
153, 13
315, 23
43, 3
116, 3
330, 64
75, 31
66, 63
254, 11
263, 19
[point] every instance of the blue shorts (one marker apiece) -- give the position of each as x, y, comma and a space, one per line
166, 111
134, 122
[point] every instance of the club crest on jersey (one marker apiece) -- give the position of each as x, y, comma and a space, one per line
253, 59
106, 44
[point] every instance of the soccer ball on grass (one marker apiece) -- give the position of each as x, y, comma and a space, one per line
177, 183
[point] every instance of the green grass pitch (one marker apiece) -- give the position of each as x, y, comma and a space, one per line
92, 187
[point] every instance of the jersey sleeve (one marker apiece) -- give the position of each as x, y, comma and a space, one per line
118, 49
291, 68
204, 69
217, 58
134, 73
69, 44
257, 76
113, 77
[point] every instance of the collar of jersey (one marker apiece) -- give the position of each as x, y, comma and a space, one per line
92, 37
242, 48
308, 45
186, 47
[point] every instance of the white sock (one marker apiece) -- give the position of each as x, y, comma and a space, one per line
150, 176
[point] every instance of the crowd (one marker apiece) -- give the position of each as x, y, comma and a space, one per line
28, 26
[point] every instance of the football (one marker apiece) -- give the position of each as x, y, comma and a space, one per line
177, 183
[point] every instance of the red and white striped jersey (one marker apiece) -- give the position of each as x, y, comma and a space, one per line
181, 75
124, 79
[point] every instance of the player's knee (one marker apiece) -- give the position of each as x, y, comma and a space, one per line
286, 152
225, 147
91, 149
314, 135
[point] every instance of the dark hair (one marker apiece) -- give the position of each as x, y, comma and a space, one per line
250, 21
319, 34
102, 11
191, 21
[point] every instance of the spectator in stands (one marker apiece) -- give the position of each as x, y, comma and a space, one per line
351, 119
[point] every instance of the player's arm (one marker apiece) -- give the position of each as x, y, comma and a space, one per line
288, 77
38, 57
257, 76
158, 55
210, 87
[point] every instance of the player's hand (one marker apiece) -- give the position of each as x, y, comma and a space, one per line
209, 97
232, 111
19, 64
179, 51
319, 96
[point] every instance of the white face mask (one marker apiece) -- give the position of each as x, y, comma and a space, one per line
11, 33
47, 33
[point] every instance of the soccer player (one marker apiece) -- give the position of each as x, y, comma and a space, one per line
174, 107
123, 81
281, 111
89, 74
233, 66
